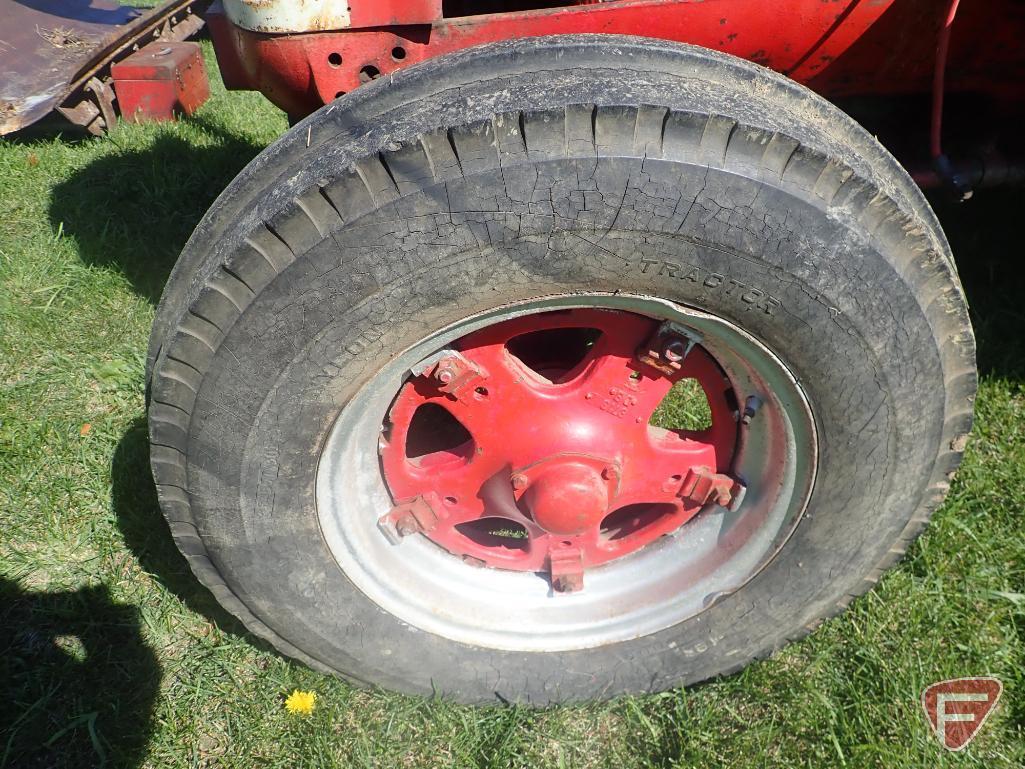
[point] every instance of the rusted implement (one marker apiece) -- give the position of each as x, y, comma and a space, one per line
57, 55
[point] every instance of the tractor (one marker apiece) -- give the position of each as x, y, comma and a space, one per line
561, 350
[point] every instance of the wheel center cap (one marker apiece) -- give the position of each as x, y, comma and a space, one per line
567, 498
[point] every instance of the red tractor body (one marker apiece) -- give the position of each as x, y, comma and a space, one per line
905, 54
889, 63
840, 49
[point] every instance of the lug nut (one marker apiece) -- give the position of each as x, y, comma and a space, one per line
519, 481
407, 525
444, 375
568, 583
751, 406
674, 350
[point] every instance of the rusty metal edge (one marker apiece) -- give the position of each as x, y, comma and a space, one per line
144, 25
74, 109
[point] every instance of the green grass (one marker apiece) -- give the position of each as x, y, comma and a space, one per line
686, 408
110, 653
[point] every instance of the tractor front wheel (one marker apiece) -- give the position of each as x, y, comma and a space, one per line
557, 369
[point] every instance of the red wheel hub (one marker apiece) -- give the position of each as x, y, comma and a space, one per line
567, 499
528, 445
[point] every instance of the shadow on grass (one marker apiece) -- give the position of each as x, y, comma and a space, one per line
134, 499
986, 239
77, 680
134, 210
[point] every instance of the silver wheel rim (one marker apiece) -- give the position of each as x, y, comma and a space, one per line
667, 582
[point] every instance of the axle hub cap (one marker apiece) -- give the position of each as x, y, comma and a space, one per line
568, 498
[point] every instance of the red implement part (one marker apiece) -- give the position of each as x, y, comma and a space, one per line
552, 461
161, 80
57, 55
300, 73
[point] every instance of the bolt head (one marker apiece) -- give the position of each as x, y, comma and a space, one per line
444, 375
674, 350
568, 583
519, 481
406, 525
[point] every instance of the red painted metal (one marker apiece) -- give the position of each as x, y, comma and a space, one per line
840, 48
458, 377
300, 73
410, 516
702, 486
567, 497
849, 24
897, 53
558, 461
160, 80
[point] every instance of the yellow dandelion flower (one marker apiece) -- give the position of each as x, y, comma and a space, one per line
301, 703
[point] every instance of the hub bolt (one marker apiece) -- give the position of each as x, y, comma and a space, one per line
751, 406
407, 525
674, 350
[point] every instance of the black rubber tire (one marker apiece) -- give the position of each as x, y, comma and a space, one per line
531, 167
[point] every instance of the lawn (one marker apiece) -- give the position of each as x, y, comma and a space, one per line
111, 654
